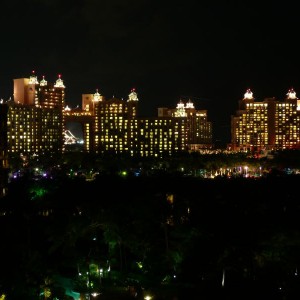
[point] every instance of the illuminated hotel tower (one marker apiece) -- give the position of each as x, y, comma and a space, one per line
270, 124
35, 116
198, 129
112, 128
287, 122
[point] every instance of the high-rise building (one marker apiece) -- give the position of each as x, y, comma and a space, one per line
198, 130
269, 124
35, 122
114, 124
34, 117
118, 129
156, 137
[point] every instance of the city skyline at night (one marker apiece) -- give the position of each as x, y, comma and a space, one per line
211, 110
210, 53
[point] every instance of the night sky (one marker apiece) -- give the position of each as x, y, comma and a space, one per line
206, 51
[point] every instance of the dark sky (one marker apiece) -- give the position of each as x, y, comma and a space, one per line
206, 51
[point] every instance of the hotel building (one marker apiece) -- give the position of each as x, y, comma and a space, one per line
34, 122
117, 128
269, 124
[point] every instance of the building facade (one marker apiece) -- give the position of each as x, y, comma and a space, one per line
35, 122
34, 117
198, 130
118, 129
266, 125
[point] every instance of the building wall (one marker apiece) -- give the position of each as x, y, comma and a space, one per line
23, 93
35, 120
287, 123
111, 126
198, 128
269, 124
33, 129
157, 137
119, 129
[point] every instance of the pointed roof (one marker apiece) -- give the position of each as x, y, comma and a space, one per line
189, 104
180, 104
291, 94
97, 96
33, 78
133, 95
180, 109
59, 82
43, 82
248, 94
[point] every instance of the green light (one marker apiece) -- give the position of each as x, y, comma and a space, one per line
37, 192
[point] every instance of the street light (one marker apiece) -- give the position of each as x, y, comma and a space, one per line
246, 168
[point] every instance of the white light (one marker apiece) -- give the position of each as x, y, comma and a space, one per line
97, 96
248, 94
189, 104
59, 83
291, 94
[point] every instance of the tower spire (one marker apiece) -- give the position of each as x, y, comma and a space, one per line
133, 95
291, 94
33, 78
97, 96
248, 94
59, 82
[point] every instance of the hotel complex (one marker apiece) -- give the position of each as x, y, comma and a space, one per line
35, 120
